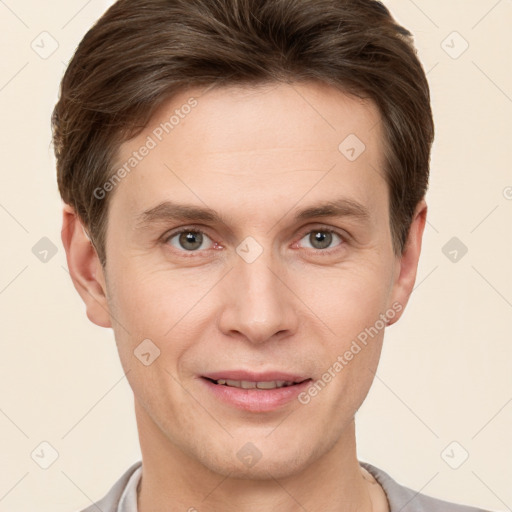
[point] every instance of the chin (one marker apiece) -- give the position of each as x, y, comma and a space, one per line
260, 459
264, 469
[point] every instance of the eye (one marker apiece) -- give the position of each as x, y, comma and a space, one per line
189, 240
194, 240
321, 239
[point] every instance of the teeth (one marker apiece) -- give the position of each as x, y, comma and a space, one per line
244, 384
266, 385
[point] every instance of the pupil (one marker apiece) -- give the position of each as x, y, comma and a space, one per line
189, 237
323, 239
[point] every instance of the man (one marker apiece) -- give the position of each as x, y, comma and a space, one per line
244, 187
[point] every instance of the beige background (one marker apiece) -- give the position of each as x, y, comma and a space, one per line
445, 373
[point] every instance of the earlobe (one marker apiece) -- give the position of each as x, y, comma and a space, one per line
85, 268
408, 263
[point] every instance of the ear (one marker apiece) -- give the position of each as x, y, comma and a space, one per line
85, 268
407, 263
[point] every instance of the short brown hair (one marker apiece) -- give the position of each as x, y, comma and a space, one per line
142, 52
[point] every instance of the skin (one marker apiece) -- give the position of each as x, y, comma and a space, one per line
255, 155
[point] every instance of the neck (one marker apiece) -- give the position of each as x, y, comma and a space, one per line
173, 480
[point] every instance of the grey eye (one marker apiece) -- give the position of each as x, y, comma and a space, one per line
189, 240
320, 238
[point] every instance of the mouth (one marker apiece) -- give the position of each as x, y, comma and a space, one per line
255, 392
248, 384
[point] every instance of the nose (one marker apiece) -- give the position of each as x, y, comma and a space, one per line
258, 305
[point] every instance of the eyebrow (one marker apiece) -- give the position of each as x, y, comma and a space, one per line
171, 211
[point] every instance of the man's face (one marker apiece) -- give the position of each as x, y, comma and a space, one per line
260, 294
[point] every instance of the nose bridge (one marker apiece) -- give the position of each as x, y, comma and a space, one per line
260, 303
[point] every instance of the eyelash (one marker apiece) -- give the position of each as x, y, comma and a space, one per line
322, 229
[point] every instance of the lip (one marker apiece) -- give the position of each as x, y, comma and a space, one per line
255, 400
254, 376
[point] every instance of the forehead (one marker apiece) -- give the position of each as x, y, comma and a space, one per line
231, 119
267, 144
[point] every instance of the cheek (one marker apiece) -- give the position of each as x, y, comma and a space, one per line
347, 300
152, 300
349, 304
169, 308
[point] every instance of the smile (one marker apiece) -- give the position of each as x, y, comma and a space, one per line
252, 392
246, 384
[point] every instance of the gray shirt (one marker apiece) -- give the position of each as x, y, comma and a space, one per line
123, 495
